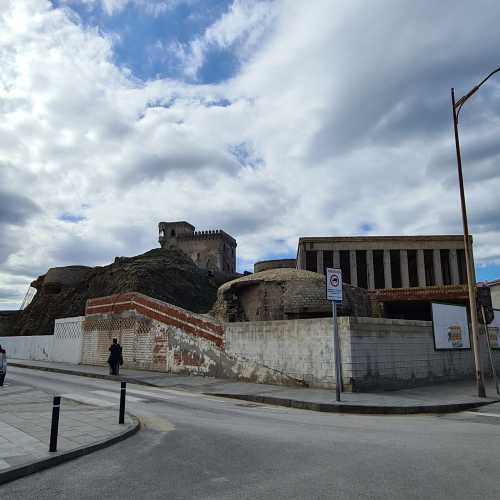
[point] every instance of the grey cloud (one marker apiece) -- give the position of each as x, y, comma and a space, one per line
87, 252
395, 87
15, 208
158, 167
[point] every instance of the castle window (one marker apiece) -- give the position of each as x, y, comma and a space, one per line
172, 233
162, 233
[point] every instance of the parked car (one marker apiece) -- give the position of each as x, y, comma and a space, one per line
3, 365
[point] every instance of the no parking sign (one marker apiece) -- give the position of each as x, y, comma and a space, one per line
333, 284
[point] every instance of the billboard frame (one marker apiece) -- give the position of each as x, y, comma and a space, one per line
467, 312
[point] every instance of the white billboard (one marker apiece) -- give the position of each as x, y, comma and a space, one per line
494, 331
451, 326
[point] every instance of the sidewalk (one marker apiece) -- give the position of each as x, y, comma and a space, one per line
441, 398
25, 421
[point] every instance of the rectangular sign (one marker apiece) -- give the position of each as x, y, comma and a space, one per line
450, 326
494, 330
333, 284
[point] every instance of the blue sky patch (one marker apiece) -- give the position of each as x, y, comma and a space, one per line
69, 217
143, 39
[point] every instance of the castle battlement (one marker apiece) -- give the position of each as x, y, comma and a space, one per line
212, 249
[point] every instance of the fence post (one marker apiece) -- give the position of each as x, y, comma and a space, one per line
123, 392
54, 428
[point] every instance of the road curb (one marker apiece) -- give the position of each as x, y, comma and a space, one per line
103, 376
353, 408
39, 465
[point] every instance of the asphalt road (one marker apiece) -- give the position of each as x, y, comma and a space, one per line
195, 446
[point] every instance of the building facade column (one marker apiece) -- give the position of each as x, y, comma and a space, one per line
455, 278
336, 259
354, 267
421, 268
369, 269
319, 261
387, 269
301, 260
405, 277
438, 272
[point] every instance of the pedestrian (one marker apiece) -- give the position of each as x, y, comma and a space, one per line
115, 358
3, 364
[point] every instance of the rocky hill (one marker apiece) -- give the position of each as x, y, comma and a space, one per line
167, 275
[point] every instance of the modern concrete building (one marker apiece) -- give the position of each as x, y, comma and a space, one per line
402, 273
214, 250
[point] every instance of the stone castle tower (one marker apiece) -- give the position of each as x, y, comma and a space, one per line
214, 250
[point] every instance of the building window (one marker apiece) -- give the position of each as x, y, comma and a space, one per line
396, 268
311, 261
345, 265
172, 233
378, 268
430, 278
412, 267
327, 260
162, 233
445, 266
462, 268
361, 268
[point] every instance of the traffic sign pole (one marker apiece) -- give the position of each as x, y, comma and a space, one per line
334, 294
336, 348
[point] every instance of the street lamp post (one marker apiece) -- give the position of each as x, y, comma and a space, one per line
471, 281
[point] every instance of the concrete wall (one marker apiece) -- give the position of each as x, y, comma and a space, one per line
302, 348
63, 346
376, 353
36, 347
264, 265
397, 353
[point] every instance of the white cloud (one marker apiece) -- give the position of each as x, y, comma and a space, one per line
241, 28
341, 109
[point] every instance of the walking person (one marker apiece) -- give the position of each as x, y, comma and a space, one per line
3, 365
115, 358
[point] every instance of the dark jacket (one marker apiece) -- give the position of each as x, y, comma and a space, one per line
115, 355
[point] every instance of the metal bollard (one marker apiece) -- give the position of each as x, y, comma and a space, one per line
123, 392
54, 428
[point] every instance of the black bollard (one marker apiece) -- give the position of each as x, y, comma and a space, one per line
123, 392
54, 428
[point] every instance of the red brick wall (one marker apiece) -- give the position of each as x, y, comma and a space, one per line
190, 323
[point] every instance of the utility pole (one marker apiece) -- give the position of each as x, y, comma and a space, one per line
469, 261
471, 282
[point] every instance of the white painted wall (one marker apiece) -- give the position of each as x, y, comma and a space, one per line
36, 347
67, 340
64, 346
301, 348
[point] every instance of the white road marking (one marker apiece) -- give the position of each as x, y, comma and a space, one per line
88, 400
483, 414
116, 395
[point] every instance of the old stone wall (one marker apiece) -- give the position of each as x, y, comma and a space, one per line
157, 336
7, 322
278, 294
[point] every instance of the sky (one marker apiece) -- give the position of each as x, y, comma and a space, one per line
270, 119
